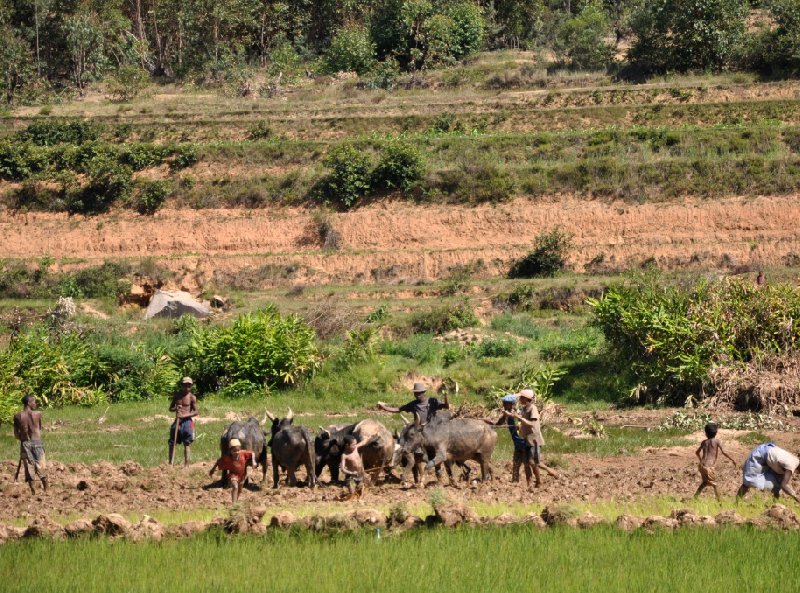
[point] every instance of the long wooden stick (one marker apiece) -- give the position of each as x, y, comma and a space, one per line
174, 438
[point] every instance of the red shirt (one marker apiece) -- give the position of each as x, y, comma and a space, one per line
236, 467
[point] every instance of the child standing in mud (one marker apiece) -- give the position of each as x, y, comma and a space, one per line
353, 467
235, 463
707, 454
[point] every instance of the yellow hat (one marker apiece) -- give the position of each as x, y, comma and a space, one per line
235, 443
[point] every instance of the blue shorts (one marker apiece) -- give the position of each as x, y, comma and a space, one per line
185, 432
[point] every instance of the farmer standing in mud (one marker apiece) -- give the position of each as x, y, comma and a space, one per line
769, 466
530, 430
423, 406
507, 418
28, 430
184, 404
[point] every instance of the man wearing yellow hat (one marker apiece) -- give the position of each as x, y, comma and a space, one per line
530, 429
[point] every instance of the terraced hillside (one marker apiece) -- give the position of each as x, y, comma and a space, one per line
692, 171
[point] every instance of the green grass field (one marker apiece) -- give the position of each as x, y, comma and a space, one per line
467, 559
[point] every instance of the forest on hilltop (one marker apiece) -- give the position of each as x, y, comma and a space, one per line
63, 45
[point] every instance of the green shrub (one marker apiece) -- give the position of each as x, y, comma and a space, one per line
49, 132
419, 347
547, 258
351, 50
668, 337
496, 348
468, 29
263, 348
109, 182
519, 325
349, 179
151, 196
128, 82
21, 160
401, 166
184, 156
444, 318
260, 131
581, 39
108, 280
139, 156
58, 369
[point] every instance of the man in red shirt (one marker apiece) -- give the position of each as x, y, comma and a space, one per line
235, 463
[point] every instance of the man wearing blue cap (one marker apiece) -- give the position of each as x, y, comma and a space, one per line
507, 417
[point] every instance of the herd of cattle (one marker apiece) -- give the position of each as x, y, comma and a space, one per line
445, 440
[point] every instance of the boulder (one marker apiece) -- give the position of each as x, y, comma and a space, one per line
282, 520
187, 529
453, 514
629, 522
780, 516
174, 305
560, 515
506, 519
78, 528
658, 522
729, 518
369, 518
535, 520
112, 525
589, 519
146, 529
8, 533
130, 468
44, 527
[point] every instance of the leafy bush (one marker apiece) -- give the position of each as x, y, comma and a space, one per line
263, 348
419, 347
127, 83
349, 179
151, 196
21, 160
260, 131
582, 39
185, 156
351, 50
687, 34
109, 182
547, 258
49, 132
401, 166
139, 155
444, 319
107, 280
468, 29
58, 369
496, 348
669, 337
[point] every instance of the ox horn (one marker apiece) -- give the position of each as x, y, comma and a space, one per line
417, 420
269, 415
264, 419
289, 414
406, 421
321, 430
456, 389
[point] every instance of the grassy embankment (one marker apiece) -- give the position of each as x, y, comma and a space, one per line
497, 559
489, 130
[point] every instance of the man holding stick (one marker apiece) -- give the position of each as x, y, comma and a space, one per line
184, 404
28, 430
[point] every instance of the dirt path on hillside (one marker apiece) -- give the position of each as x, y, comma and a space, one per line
392, 242
102, 487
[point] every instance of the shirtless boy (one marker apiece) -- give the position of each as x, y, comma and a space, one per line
184, 404
235, 463
353, 467
28, 430
707, 454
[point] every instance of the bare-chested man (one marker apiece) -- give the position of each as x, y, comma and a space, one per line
184, 404
707, 454
28, 429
